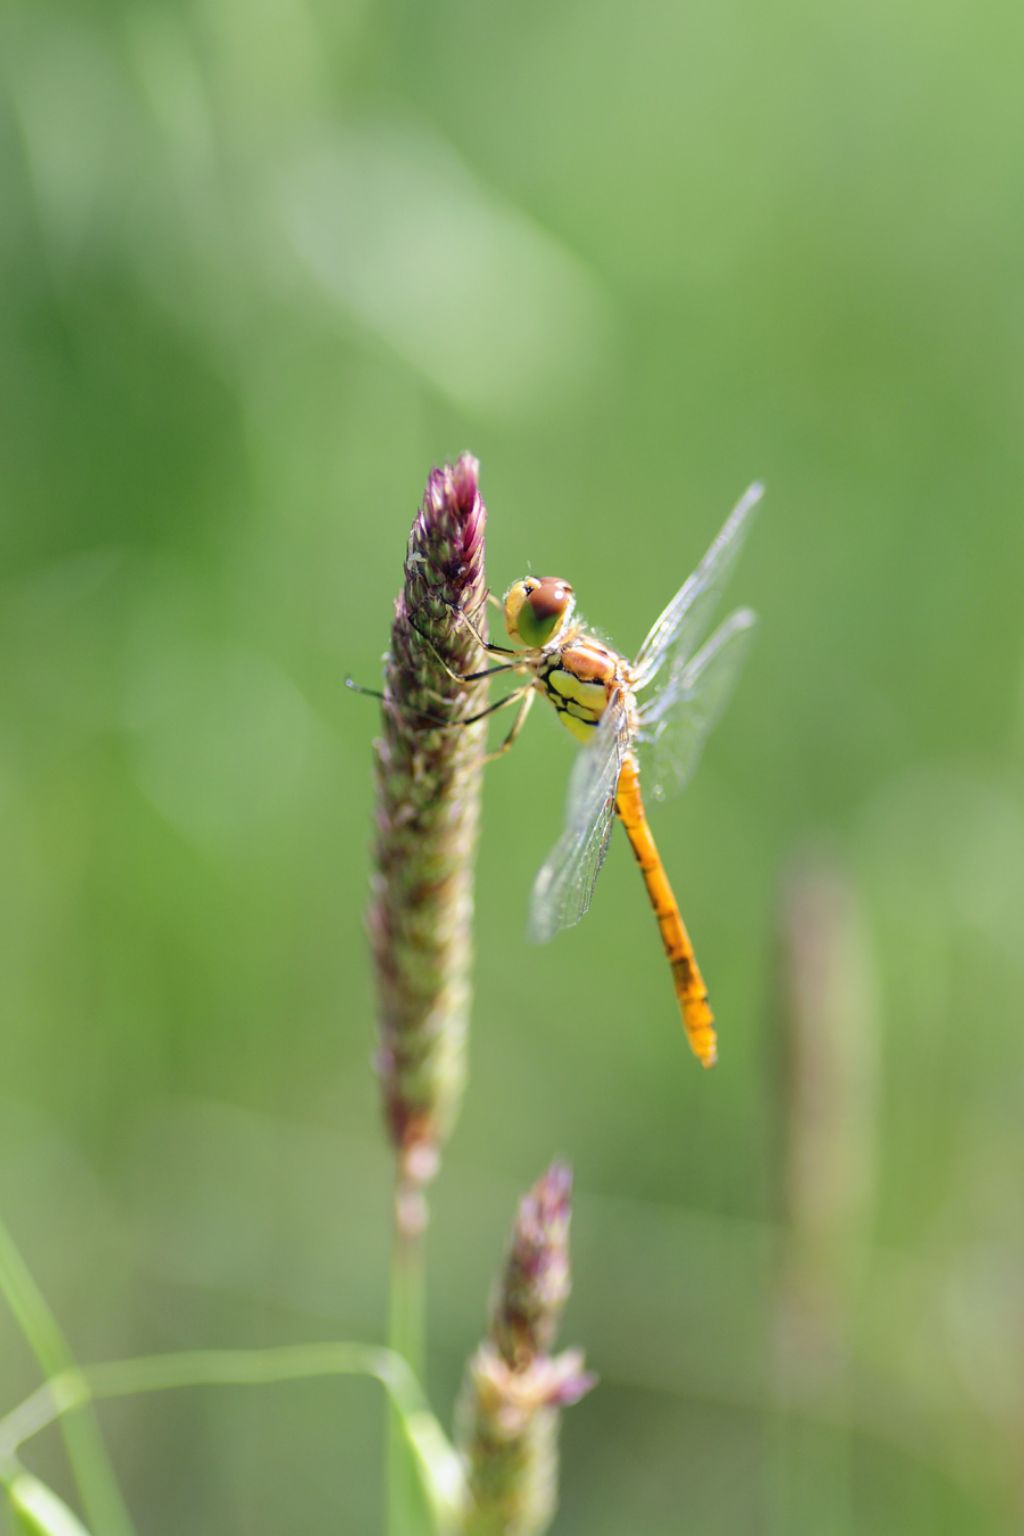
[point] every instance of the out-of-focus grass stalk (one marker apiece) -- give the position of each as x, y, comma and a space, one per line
828, 1053
406, 1326
68, 1392
36, 1509
515, 1389
428, 792
104, 1507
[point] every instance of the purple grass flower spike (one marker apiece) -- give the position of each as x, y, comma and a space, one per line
531, 1296
515, 1388
428, 794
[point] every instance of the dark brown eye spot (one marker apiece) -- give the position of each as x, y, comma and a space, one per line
549, 598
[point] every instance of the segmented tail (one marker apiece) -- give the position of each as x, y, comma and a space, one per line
698, 1019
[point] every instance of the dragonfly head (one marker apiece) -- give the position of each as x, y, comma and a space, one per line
537, 608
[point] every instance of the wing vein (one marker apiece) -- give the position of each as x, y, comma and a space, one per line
564, 886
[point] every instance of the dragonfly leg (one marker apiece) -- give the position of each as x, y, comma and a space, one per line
375, 693
421, 714
486, 645
516, 696
448, 725
526, 696
495, 602
470, 677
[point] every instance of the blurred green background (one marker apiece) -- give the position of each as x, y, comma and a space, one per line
263, 263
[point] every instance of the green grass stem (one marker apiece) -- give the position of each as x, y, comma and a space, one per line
70, 1391
94, 1476
407, 1514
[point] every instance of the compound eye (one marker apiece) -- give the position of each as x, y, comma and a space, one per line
549, 600
536, 608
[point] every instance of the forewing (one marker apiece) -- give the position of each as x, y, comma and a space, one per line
565, 884
677, 633
675, 723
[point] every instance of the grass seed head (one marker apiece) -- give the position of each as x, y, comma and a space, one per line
428, 791
515, 1388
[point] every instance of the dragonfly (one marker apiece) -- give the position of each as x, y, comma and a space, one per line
653, 714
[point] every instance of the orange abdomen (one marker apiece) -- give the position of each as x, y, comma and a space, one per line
691, 992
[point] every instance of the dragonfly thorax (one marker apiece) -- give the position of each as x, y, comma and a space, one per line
538, 609
579, 677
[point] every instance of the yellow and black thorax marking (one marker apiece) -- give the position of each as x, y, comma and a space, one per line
579, 678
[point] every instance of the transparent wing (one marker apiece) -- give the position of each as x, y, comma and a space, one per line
565, 884
675, 723
676, 634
